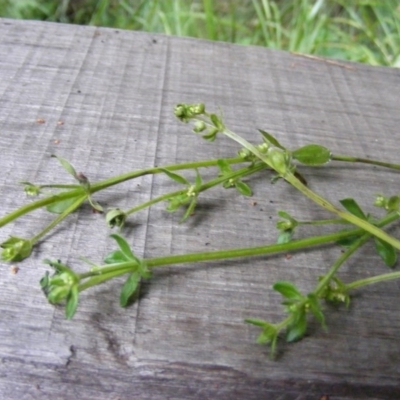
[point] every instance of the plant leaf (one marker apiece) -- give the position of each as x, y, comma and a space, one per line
285, 236
257, 322
60, 206
224, 166
67, 166
124, 246
315, 308
216, 121
177, 178
268, 138
130, 290
116, 257
244, 189
288, 290
297, 330
189, 210
347, 242
386, 251
352, 207
312, 155
72, 302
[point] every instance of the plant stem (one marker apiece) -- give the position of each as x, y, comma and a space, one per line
289, 177
374, 279
60, 218
106, 184
365, 161
323, 222
340, 261
250, 252
236, 174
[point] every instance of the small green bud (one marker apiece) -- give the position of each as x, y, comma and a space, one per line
247, 155
199, 126
388, 203
279, 160
285, 225
381, 201
198, 109
116, 218
186, 112
31, 190
16, 249
263, 148
58, 294
60, 285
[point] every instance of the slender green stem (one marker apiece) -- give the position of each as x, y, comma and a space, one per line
99, 279
323, 222
289, 177
365, 161
340, 261
60, 218
152, 171
39, 204
390, 276
106, 184
251, 252
228, 254
215, 182
350, 251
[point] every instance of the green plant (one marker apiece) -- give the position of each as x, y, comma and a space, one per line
64, 286
365, 31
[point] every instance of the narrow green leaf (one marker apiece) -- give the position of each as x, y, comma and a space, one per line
352, 207
144, 271
96, 206
60, 206
285, 236
257, 322
288, 290
298, 329
116, 257
268, 138
177, 178
224, 166
72, 302
199, 180
268, 335
347, 242
387, 252
189, 210
130, 290
212, 135
312, 155
124, 246
244, 189
67, 166
285, 215
216, 121
315, 308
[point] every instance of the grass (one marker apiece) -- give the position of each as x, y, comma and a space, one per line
366, 31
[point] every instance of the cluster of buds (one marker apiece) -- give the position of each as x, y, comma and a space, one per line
61, 287
186, 112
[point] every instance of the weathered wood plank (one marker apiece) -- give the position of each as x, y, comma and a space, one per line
103, 99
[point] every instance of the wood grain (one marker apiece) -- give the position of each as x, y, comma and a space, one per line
104, 99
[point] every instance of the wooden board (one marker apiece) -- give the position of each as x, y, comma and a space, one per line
104, 99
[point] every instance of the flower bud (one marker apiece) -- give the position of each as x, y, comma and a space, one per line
16, 249
31, 190
116, 218
199, 126
279, 160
